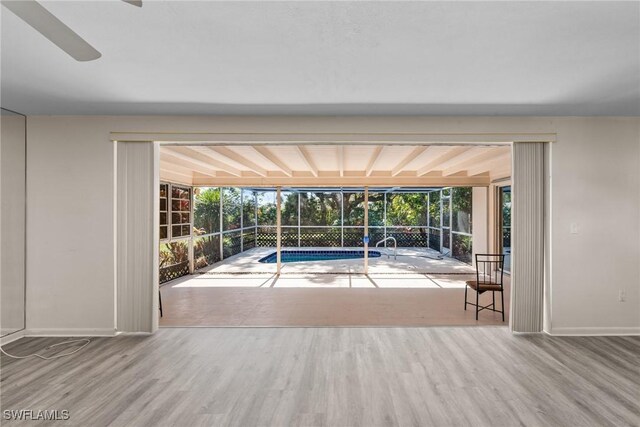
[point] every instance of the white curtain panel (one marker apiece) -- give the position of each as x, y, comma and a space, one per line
137, 237
528, 236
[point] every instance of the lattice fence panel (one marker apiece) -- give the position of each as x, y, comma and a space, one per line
267, 237
413, 238
174, 271
174, 260
375, 235
353, 238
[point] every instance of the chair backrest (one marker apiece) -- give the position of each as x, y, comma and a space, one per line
490, 269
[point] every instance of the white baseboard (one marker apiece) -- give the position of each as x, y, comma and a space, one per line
582, 331
11, 337
79, 332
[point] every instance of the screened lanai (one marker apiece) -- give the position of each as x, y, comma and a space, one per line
211, 224
327, 234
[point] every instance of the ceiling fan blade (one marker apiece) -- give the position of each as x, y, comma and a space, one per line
52, 28
134, 2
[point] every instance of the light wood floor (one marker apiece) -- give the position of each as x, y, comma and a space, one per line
325, 300
333, 377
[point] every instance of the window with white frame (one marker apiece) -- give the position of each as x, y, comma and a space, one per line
164, 211
175, 211
180, 211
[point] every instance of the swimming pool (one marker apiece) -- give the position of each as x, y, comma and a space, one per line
312, 255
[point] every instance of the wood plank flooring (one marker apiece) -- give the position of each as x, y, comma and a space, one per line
481, 376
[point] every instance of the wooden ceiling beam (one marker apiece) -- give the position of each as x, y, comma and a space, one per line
185, 162
500, 162
487, 154
461, 157
233, 156
346, 181
306, 157
500, 174
270, 156
201, 159
435, 163
408, 159
175, 168
374, 159
175, 178
221, 162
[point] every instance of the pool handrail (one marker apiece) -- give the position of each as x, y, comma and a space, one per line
395, 246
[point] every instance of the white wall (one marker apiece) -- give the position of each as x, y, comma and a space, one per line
12, 222
70, 227
595, 182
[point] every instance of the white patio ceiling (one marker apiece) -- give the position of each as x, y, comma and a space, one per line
334, 165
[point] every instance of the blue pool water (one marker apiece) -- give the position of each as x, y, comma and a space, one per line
321, 255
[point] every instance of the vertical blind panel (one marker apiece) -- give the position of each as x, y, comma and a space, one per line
528, 195
136, 287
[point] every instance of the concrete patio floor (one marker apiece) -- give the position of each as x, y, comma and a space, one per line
416, 290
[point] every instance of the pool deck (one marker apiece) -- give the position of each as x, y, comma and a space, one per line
408, 261
414, 290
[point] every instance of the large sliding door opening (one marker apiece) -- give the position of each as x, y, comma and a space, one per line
293, 236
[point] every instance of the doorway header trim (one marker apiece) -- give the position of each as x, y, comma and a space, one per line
392, 138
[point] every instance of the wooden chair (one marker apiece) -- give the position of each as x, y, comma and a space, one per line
489, 277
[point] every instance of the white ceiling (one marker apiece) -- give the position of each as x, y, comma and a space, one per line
448, 58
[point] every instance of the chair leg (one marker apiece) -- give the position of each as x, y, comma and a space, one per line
502, 297
160, 300
477, 303
465, 296
493, 294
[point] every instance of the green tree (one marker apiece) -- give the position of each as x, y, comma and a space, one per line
506, 208
434, 209
266, 208
461, 205
376, 209
353, 208
407, 209
248, 208
206, 214
320, 208
289, 213
231, 208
